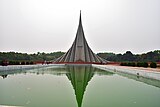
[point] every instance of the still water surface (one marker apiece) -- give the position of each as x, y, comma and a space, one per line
76, 86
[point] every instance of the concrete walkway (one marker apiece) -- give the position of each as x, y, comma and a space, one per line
24, 67
144, 72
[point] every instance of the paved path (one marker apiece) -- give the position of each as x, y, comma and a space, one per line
20, 67
152, 73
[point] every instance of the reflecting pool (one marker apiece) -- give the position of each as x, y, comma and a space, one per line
76, 86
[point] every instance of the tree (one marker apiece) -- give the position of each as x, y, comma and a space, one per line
128, 56
153, 65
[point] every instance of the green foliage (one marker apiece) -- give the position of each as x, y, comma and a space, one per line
152, 56
142, 64
128, 56
14, 63
133, 64
145, 64
12, 57
25, 58
153, 65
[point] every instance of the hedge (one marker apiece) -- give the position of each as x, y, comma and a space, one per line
153, 65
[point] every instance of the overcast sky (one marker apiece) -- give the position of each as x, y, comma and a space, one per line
50, 25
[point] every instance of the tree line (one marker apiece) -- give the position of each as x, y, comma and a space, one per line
152, 56
24, 58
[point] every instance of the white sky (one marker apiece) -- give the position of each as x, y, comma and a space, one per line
51, 25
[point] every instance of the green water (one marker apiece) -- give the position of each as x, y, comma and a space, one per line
76, 86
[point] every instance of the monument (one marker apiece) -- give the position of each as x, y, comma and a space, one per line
80, 52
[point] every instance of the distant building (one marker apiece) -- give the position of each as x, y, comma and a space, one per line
80, 52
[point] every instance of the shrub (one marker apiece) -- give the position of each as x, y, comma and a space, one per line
17, 63
4, 63
142, 64
145, 64
11, 63
123, 64
133, 64
23, 63
14, 63
139, 64
31, 63
153, 65
27, 63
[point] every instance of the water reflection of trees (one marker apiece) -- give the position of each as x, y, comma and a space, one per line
38, 71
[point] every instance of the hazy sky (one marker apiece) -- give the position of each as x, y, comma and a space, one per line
51, 25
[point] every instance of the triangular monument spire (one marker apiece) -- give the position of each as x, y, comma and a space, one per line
80, 52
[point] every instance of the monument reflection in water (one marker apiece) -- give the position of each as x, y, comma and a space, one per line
80, 77
92, 87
